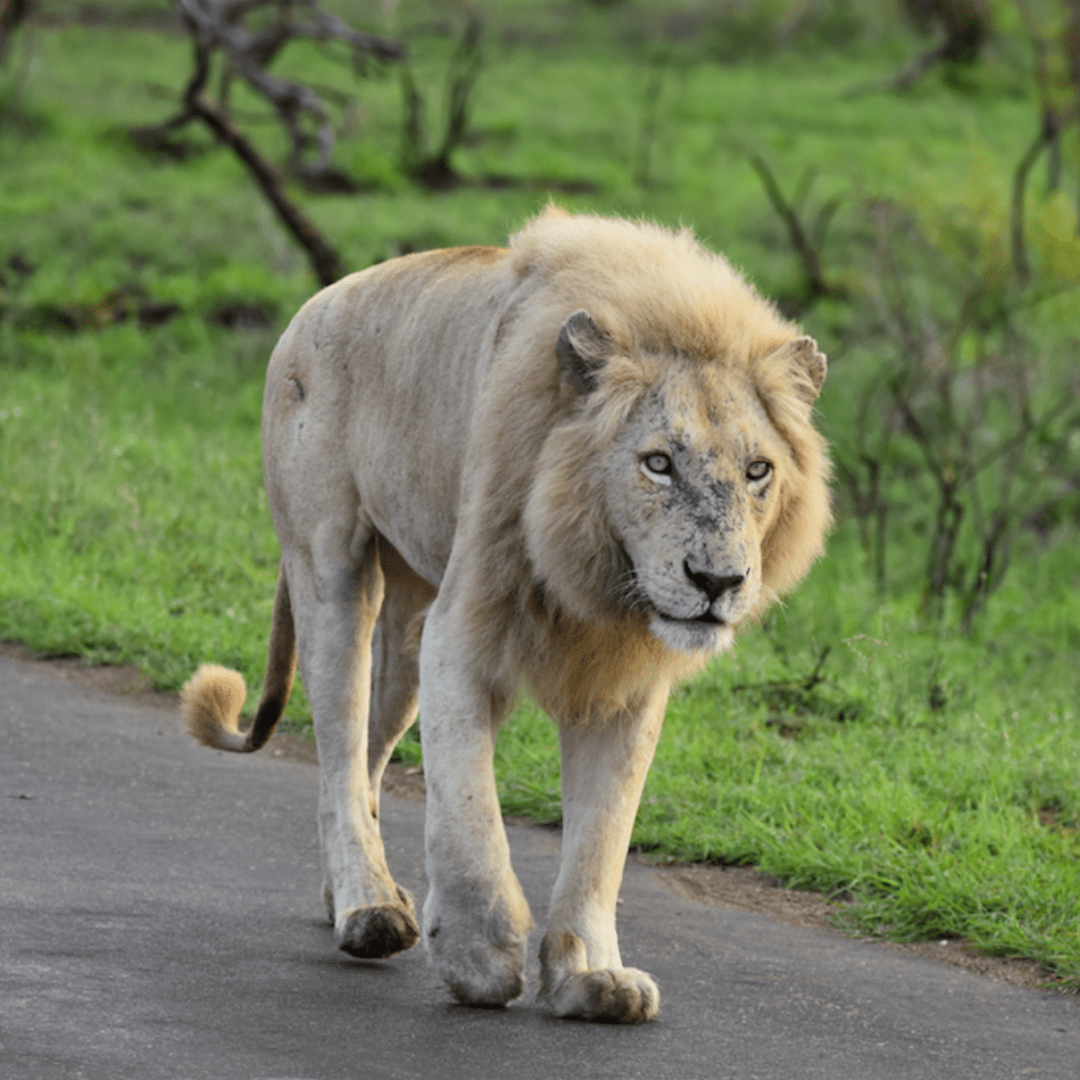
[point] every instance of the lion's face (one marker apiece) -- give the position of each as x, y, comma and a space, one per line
679, 491
691, 488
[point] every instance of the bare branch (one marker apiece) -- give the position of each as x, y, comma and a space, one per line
1028, 428
1054, 119
965, 27
464, 70
435, 170
983, 431
216, 27
808, 254
325, 261
12, 14
919, 66
1052, 124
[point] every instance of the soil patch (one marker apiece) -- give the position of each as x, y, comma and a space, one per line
742, 888
737, 888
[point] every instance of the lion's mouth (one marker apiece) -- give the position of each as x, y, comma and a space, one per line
705, 619
709, 619
704, 633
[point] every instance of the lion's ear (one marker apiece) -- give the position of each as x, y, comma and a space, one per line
583, 348
807, 365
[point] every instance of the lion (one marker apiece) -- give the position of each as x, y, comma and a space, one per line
579, 463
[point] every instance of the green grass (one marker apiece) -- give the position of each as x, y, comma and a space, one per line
952, 814
851, 742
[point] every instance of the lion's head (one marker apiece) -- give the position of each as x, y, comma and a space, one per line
684, 485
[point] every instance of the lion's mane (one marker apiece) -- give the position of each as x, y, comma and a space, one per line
548, 600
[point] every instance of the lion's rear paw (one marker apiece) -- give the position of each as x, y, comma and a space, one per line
615, 995
373, 933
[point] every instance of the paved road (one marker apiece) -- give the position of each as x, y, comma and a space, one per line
160, 917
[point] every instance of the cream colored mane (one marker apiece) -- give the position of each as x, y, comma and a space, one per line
656, 293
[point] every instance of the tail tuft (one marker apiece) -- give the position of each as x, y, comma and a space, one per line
210, 704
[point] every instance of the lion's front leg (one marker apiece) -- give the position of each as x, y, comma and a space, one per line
604, 766
476, 918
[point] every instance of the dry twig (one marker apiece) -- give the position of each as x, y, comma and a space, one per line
965, 27
807, 243
1054, 118
435, 170
216, 27
12, 13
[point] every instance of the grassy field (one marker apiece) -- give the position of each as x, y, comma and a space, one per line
860, 740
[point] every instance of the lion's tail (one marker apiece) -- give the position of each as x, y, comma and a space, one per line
212, 698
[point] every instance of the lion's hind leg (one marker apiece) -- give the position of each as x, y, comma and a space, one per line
395, 681
395, 659
337, 587
604, 767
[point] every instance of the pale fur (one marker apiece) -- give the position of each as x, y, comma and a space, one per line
445, 439
211, 701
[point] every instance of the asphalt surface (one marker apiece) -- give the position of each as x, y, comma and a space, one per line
160, 916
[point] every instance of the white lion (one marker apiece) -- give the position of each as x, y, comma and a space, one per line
582, 461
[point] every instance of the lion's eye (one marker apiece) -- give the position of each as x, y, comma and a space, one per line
758, 470
658, 467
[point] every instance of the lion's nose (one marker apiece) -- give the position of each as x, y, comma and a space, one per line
712, 585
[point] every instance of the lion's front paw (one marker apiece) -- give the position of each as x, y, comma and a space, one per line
375, 932
615, 995
481, 963
487, 978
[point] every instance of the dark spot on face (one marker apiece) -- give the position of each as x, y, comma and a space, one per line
721, 491
692, 496
297, 392
707, 523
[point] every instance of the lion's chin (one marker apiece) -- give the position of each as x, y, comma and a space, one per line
691, 635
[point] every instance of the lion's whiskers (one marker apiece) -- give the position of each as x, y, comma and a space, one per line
629, 593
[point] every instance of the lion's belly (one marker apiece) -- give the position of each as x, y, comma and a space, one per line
421, 528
